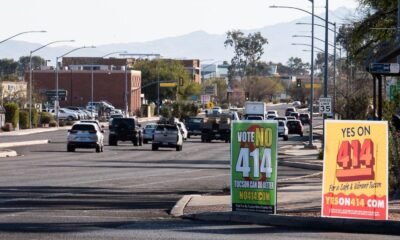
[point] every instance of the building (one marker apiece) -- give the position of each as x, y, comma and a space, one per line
209, 71
13, 90
79, 78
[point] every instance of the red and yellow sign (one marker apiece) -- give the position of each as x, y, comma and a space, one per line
355, 181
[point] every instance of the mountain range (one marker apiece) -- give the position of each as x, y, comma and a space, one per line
200, 44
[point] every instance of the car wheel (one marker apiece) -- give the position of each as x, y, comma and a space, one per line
70, 118
188, 136
98, 148
70, 148
285, 138
154, 147
179, 148
145, 141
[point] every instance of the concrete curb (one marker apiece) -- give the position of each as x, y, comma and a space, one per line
24, 143
314, 223
177, 210
7, 153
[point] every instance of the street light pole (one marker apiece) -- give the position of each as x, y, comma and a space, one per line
13, 36
310, 140
30, 75
56, 102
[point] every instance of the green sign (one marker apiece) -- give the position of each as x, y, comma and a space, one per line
254, 166
393, 92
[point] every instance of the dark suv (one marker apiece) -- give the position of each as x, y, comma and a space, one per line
125, 129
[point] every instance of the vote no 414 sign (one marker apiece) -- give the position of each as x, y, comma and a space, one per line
355, 181
254, 166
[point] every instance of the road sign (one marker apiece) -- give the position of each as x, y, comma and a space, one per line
315, 85
168, 84
210, 105
325, 105
205, 99
382, 68
211, 89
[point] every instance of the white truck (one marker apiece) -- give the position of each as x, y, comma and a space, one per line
255, 110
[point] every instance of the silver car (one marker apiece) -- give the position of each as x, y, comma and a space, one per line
85, 135
167, 135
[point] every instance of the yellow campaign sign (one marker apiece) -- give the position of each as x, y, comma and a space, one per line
315, 85
355, 176
167, 84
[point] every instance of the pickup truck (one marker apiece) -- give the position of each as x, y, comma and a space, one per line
167, 135
193, 125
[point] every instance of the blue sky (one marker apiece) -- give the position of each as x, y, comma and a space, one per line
120, 21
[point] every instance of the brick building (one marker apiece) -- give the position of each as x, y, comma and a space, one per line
75, 80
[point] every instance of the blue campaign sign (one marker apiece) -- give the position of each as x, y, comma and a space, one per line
384, 68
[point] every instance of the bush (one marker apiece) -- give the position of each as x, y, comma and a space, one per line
62, 123
7, 127
53, 123
23, 119
45, 118
35, 117
12, 113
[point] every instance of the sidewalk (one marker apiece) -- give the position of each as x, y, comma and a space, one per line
298, 205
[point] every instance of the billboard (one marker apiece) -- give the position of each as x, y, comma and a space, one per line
355, 177
254, 166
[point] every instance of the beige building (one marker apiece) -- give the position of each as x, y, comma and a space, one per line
13, 91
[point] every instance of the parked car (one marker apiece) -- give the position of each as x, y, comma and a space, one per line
85, 135
193, 125
296, 104
64, 114
295, 114
289, 110
125, 129
148, 132
81, 114
283, 130
304, 118
167, 135
295, 127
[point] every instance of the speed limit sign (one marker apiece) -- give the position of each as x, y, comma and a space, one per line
325, 105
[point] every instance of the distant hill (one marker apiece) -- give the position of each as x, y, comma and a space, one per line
199, 44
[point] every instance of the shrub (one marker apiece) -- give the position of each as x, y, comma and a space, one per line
62, 123
7, 127
53, 123
23, 119
69, 123
45, 118
35, 117
12, 113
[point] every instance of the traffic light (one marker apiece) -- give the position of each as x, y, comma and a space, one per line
298, 83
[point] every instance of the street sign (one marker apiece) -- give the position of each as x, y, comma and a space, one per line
382, 68
205, 99
315, 85
211, 90
325, 105
210, 105
168, 84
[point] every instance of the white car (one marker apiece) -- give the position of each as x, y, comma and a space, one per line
272, 112
85, 135
283, 130
216, 110
64, 114
183, 129
167, 135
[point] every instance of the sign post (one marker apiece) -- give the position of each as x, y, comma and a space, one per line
254, 166
355, 176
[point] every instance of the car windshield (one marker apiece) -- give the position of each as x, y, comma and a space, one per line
281, 124
152, 126
83, 127
292, 123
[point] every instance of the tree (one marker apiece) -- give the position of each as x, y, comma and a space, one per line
23, 63
297, 67
247, 53
164, 70
8, 67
